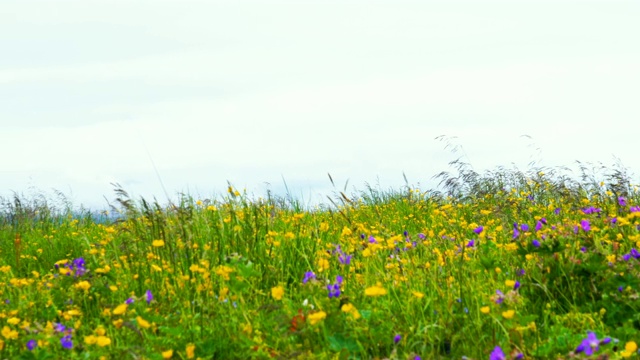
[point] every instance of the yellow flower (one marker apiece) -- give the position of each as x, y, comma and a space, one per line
485, 309
117, 323
8, 333
103, 341
83, 285
143, 323
508, 314
418, 294
377, 290
120, 309
323, 264
629, 349
100, 330
90, 340
277, 292
13, 321
158, 243
498, 270
350, 309
167, 354
509, 283
190, 350
317, 317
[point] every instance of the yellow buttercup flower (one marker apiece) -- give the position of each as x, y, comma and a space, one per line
317, 317
120, 309
143, 323
350, 309
103, 341
167, 354
508, 314
485, 309
7, 333
83, 285
190, 350
377, 290
277, 292
158, 243
630, 348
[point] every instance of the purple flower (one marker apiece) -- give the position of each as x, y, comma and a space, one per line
59, 327
478, 230
516, 233
500, 297
535, 243
66, 342
334, 290
516, 285
497, 354
591, 210
538, 225
78, 267
397, 338
586, 226
524, 227
621, 288
148, 296
622, 201
635, 253
421, 236
634, 208
556, 211
344, 259
614, 220
129, 301
583, 249
308, 276
31, 344
589, 345
520, 272
471, 243
626, 257
372, 240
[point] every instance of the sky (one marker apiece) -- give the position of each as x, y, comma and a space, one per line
167, 97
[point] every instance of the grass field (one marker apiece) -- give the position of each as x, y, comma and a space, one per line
501, 265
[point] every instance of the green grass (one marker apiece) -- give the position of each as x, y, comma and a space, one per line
226, 274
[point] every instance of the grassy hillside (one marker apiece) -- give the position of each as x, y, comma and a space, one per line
498, 265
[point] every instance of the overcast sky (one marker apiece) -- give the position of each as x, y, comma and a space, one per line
97, 92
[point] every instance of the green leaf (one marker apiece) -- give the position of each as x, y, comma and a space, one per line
338, 342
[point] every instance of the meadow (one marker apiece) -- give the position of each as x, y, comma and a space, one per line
499, 265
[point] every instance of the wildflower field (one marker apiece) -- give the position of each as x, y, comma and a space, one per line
501, 265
